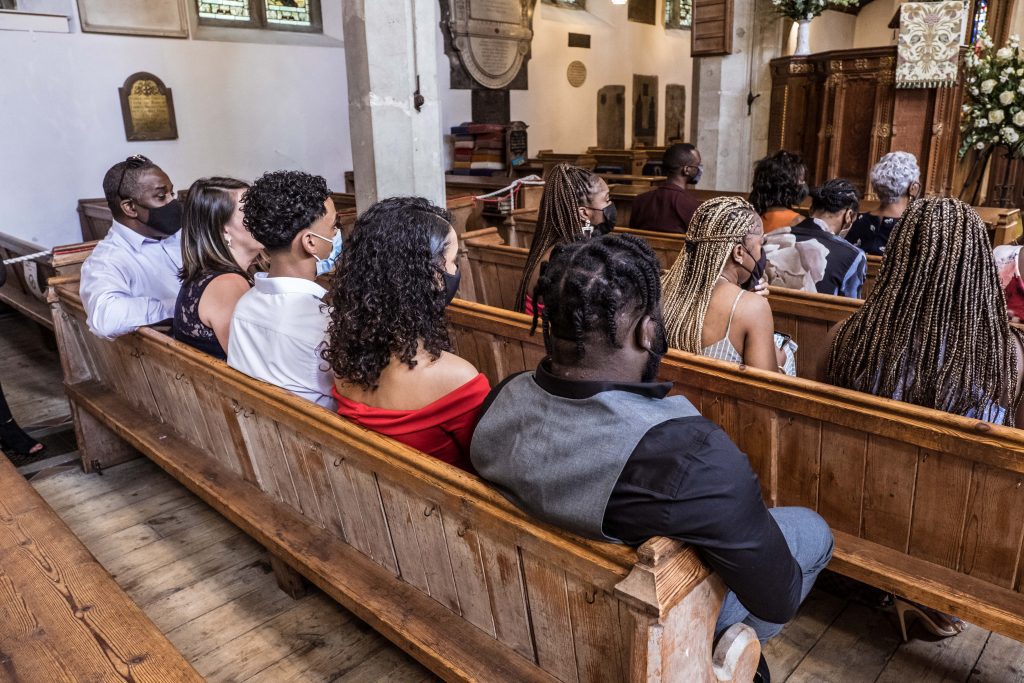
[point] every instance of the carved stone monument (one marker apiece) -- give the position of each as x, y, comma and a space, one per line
147, 108
645, 110
488, 42
675, 114
611, 117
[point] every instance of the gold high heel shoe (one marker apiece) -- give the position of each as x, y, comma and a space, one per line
928, 617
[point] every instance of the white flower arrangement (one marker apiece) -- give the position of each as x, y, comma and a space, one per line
993, 113
805, 10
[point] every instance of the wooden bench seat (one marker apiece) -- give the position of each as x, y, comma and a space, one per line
428, 555
62, 616
923, 503
25, 290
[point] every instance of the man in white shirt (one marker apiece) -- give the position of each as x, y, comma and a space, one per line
131, 277
279, 326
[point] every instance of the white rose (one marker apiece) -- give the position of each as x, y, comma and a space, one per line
1009, 135
1006, 97
980, 123
1004, 54
996, 116
988, 86
1018, 119
980, 145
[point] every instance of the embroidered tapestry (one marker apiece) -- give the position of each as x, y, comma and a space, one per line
928, 52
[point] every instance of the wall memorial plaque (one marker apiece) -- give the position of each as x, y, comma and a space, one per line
643, 11
576, 73
611, 117
147, 108
645, 110
675, 113
490, 39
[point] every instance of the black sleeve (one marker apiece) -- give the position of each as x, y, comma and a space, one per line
687, 480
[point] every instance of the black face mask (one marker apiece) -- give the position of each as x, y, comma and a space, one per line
166, 218
610, 214
451, 285
658, 349
695, 178
758, 271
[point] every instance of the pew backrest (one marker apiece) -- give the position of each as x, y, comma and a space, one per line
924, 503
431, 556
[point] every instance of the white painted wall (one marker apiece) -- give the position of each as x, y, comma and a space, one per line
245, 108
564, 118
242, 109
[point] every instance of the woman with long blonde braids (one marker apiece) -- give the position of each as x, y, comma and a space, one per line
934, 330
708, 306
576, 204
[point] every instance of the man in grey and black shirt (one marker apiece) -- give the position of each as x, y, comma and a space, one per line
589, 441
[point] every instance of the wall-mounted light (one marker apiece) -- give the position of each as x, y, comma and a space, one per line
619, 2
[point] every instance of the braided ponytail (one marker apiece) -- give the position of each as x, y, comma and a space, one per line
717, 226
566, 188
934, 330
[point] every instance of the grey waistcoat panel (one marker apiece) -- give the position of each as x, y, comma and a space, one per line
559, 458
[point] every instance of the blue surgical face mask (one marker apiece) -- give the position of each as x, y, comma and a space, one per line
326, 265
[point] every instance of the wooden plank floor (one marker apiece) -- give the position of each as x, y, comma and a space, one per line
209, 588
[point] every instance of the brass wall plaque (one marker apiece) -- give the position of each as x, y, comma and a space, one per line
576, 73
147, 108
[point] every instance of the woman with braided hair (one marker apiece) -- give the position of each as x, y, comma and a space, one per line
934, 330
706, 311
576, 204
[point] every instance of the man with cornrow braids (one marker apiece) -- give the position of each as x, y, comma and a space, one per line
811, 256
575, 205
591, 442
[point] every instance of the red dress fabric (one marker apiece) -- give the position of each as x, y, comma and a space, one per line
664, 209
442, 429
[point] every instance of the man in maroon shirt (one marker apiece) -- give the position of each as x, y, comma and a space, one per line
668, 208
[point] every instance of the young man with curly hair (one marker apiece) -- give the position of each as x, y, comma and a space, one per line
279, 326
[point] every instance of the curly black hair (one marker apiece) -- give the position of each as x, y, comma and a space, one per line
586, 285
280, 204
388, 296
778, 181
834, 196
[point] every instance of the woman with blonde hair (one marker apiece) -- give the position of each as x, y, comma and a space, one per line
708, 303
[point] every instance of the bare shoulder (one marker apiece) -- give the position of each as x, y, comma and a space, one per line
230, 286
451, 371
754, 307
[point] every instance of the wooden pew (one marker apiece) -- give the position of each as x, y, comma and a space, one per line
631, 161
922, 503
25, 290
428, 555
64, 617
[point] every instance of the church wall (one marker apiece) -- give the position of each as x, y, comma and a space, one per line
564, 118
242, 109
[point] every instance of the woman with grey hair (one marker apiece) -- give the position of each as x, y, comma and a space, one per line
896, 179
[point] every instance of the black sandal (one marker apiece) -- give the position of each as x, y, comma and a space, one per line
13, 438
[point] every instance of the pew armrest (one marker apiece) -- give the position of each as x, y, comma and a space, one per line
736, 654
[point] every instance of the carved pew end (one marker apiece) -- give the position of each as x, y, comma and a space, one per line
736, 655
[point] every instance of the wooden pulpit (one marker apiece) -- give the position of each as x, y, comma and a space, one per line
841, 111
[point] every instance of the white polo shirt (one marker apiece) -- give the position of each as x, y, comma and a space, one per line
277, 331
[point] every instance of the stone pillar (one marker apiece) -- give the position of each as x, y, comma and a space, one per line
729, 139
390, 52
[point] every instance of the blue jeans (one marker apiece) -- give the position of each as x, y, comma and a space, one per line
810, 541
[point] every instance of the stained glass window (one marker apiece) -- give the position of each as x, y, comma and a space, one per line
278, 15
678, 13
290, 12
225, 10
979, 19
